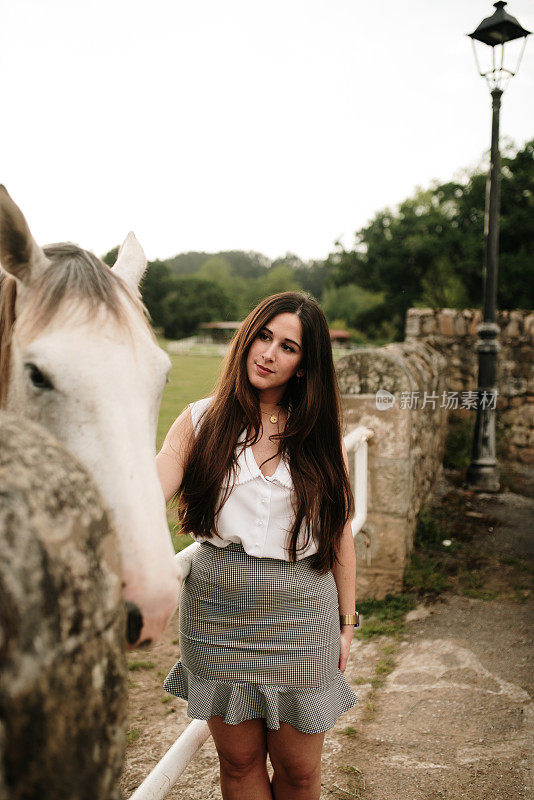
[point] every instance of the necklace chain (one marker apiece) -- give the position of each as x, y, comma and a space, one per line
273, 417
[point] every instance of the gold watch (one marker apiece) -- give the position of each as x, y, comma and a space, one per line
349, 619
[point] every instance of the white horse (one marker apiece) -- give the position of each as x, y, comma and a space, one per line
77, 355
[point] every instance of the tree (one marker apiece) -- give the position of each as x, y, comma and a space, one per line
219, 270
350, 305
216, 268
515, 287
314, 277
191, 301
155, 284
430, 249
278, 279
245, 264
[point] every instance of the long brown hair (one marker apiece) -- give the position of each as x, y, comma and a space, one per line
311, 439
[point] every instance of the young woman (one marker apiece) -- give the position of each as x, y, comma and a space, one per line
267, 612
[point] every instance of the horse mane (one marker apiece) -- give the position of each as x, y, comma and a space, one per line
8, 295
76, 278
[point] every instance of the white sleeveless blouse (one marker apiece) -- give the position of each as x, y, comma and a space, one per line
258, 513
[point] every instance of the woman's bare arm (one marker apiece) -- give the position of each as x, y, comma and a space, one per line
170, 461
345, 572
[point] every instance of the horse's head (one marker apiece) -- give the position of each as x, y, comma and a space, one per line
84, 363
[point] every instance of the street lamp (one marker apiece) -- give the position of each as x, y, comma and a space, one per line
496, 31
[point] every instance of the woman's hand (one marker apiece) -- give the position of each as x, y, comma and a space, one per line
346, 637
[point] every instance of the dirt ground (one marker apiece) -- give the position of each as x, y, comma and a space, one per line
451, 718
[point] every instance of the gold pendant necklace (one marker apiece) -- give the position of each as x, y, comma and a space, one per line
273, 418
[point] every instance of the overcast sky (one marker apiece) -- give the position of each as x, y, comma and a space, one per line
208, 125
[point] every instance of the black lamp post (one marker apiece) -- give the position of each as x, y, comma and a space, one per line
495, 31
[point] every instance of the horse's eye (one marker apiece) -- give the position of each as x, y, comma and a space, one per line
37, 378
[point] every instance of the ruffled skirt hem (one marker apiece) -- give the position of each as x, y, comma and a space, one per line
311, 709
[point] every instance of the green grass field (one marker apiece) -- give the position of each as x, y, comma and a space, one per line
191, 378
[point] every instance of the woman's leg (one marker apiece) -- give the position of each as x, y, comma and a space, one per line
242, 753
296, 760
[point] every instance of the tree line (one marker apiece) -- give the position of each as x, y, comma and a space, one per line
428, 251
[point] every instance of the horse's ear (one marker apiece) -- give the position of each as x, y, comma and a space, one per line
20, 255
131, 261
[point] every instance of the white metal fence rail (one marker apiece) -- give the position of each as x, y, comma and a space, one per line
167, 771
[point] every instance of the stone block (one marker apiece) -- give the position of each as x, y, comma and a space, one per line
513, 329
475, 321
369, 369
63, 678
390, 485
511, 452
518, 435
518, 315
516, 402
377, 583
429, 323
387, 536
526, 455
392, 428
520, 415
460, 326
446, 322
514, 388
412, 324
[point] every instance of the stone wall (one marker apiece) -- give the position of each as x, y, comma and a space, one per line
63, 677
405, 454
454, 333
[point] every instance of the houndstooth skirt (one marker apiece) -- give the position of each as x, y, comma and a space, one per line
259, 638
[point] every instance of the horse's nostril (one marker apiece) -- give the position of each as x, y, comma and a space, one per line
134, 622
145, 643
